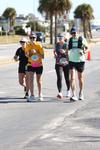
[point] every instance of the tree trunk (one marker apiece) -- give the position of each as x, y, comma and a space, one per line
51, 29
55, 28
90, 30
84, 27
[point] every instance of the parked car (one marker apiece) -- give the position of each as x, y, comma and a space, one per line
40, 36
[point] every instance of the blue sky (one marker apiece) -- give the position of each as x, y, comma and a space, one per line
30, 6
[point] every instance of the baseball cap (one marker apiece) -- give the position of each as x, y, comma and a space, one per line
23, 39
73, 30
33, 35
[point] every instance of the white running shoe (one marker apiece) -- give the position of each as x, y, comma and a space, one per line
73, 98
81, 96
68, 93
60, 96
31, 98
40, 98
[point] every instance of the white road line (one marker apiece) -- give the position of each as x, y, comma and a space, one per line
2, 92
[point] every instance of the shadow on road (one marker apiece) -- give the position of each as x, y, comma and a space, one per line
89, 138
22, 100
12, 100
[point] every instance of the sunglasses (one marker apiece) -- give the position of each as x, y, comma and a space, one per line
32, 37
73, 33
22, 42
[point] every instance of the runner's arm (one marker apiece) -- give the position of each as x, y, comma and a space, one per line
16, 56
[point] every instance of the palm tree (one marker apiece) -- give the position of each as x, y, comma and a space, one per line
10, 14
85, 13
54, 8
45, 7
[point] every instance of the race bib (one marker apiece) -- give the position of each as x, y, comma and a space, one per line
34, 57
63, 61
35, 62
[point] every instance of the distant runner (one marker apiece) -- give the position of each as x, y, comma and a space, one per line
23, 60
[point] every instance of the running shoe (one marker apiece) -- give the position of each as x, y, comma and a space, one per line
81, 96
73, 98
60, 96
31, 99
68, 93
40, 98
26, 95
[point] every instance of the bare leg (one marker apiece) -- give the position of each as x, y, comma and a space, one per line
73, 85
21, 77
31, 82
27, 82
81, 81
39, 83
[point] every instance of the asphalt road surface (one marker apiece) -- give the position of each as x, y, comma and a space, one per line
51, 124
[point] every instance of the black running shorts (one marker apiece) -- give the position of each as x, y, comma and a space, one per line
79, 66
21, 69
37, 70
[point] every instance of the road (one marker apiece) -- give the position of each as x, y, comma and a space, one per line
51, 124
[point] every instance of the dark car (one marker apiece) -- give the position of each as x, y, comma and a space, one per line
40, 36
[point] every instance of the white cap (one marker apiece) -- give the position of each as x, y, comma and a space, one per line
23, 39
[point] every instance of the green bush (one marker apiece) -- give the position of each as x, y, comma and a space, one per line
3, 33
19, 30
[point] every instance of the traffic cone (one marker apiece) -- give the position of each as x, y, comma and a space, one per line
89, 55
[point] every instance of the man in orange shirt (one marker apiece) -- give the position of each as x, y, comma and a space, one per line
35, 53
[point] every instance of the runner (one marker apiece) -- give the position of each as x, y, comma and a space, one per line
62, 66
23, 60
77, 48
35, 54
